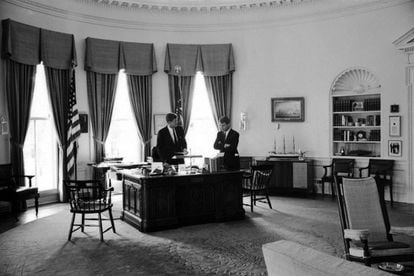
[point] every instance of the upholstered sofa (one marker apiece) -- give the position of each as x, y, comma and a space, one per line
291, 259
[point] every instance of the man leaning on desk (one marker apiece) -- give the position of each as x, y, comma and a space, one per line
171, 141
227, 141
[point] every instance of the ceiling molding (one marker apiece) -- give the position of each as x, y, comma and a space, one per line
126, 16
196, 5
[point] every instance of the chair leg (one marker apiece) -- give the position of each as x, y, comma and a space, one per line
83, 222
268, 200
37, 203
251, 200
332, 191
391, 196
100, 226
254, 199
71, 227
323, 189
112, 220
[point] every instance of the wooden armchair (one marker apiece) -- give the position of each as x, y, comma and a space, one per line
256, 185
10, 191
367, 233
340, 167
89, 197
382, 171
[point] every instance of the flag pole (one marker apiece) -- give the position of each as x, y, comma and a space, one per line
75, 155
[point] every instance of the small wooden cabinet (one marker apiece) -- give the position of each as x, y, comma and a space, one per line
290, 175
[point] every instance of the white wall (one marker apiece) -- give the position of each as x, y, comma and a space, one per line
298, 59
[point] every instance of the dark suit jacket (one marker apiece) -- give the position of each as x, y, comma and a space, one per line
166, 146
231, 159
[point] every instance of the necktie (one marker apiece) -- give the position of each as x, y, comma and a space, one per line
175, 137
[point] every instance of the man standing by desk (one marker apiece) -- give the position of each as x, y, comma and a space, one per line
227, 141
171, 141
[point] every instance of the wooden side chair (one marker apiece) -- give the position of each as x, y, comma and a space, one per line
246, 163
9, 189
366, 229
382, 171
256, 186
89, 197
340, 167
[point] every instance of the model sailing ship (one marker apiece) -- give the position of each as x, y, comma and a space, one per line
284, 153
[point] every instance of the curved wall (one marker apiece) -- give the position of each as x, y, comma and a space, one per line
291, 57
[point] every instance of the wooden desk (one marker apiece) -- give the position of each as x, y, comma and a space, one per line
290, 175
152, 203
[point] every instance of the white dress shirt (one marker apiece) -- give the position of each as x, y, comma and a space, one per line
172, 130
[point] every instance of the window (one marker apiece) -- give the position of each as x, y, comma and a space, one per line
40, 147
123, 139
202, 130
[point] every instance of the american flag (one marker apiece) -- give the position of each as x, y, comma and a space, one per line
178, 102
73, 126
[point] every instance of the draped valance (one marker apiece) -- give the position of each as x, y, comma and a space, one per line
21, 42
182, 59
57, 49
187, 59
108, 57
30, 45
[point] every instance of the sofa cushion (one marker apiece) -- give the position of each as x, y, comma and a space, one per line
290, 258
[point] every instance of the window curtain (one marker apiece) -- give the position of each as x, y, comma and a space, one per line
220, 94
19, 85
218, 65
59, 58
101, 98
215, 61
181, 97
102, 66
23, 48
140, 94
20, 54
140, 63
104, 59
181, 64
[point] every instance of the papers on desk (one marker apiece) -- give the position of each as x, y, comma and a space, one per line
156, 167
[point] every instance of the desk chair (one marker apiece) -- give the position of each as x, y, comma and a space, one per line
256, 186
340, 167
89, 197
366, 229
381, 170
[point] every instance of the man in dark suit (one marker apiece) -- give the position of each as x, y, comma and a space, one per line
171, 141
227, 141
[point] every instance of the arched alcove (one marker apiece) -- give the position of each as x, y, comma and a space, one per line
356, 114
355, 80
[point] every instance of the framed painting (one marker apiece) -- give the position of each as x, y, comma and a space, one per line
288, 109
395, 126
395, 148
83, 122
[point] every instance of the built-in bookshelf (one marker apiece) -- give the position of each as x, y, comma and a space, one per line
356, 115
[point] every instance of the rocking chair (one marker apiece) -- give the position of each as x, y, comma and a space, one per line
366, 228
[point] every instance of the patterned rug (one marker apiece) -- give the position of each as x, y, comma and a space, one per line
231, 248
